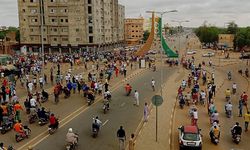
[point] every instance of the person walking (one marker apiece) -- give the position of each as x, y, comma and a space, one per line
153, 84
146, 112
136, 95
121, 135
131, 143
247, 119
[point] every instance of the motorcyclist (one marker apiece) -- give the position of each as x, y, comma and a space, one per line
107, 95
71, 137
183, 84
236, 130
229, 108
229, 75
53, 121
128, 89
228, 94
214, 133
42, 114
91, 95
45, 95
234, 87
18, 127
96, 123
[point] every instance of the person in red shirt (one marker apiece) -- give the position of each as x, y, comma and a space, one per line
18, 127
244, 97
53, 121
128, 89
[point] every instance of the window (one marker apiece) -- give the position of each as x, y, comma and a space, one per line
89, 1
53, 20
44, 39
52, 11
89, 10
23, 10
55, 39
90, 19
31, 29
66, 20
90, 29
77, 30
64, 39
55, 30
52, 1
90, 39
61, 20
33, 11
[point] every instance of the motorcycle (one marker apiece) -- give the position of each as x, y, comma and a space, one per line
95, 132
43, 121
32, 118
90, 99
7, 126
214, 139
228, 98
71, 146
236, 138
234, 91
44, 99
228, 113
52, 130
19, 137
105, 107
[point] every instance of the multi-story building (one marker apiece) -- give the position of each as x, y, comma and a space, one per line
71, 24
226, 41
133, 31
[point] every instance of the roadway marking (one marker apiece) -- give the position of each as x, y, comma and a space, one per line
72, 116
105, 122
123, 104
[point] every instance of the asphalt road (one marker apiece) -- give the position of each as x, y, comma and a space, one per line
122, 113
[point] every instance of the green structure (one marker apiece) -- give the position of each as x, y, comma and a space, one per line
168, 51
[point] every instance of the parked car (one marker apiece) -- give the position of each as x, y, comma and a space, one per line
209, 54
191, 52
190, 138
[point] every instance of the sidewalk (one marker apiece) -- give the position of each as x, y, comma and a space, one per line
146, 138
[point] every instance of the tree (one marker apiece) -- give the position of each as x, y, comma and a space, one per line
208, 35
232, 28
2, 34
242, 38
145, 35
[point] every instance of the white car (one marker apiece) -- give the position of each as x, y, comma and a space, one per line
190, 138
209, 54
191, 52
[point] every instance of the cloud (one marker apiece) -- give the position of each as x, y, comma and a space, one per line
197, 11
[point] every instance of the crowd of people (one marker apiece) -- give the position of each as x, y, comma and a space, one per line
200, 89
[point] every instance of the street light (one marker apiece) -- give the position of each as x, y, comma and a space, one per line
161, 79
42, 36
180, 22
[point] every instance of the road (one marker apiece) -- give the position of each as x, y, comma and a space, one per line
222, 66
122, 113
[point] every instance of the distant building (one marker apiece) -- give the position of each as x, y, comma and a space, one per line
226, 41
134, 31
8, 43
71, 24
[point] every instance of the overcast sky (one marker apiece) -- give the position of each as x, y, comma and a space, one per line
215, 12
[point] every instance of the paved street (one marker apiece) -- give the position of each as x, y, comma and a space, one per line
122, 113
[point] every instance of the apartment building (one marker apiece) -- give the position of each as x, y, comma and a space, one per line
133, 31
71, 24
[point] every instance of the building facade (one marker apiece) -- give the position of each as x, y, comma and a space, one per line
226, 41
8, 43
71, 24
133, 31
